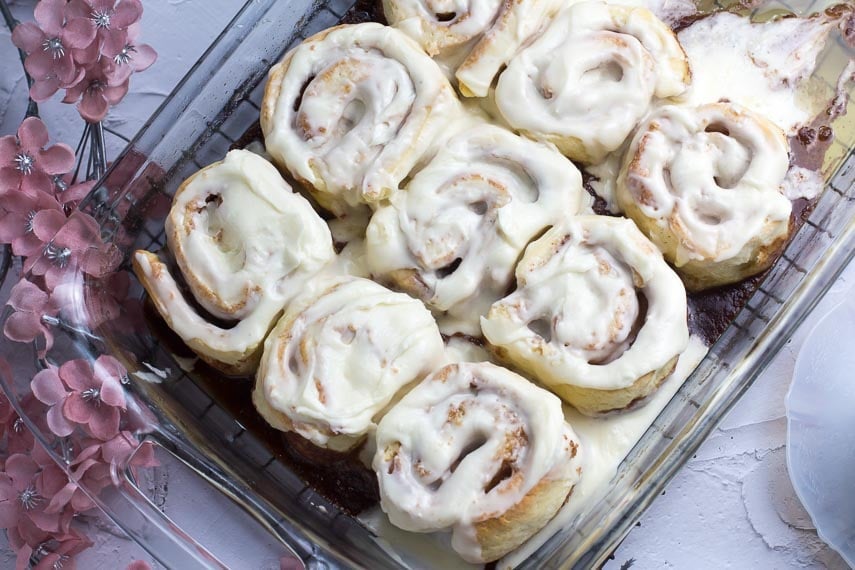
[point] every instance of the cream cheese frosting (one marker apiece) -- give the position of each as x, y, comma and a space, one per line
352, 109
453, 236
334, 362
467, 445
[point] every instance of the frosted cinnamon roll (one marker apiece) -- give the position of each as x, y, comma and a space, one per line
245, 244
478, 450
453, 237
490, 30
352, 109
334, 363
704, 183
598, 316
587, 81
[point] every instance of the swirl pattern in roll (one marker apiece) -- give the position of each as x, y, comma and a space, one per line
598, 316
352, 109
587, 81
488, 31
245, 245
478, 450
332, 364
454, 236
704, 183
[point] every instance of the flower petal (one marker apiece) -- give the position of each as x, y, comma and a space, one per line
79, 33
10, 179
114, 40
78, 9
8, 514
104, 423
57, 422
47, 223
115, 93
27, 296
47, 387
93, 107
127, 13
48, 522
44, 88
77, 375
36, 183
22, 327
28, 36
144, 57
33, 135
112, 393
41, 64
58, 159
77, 409
50, 14
21, 468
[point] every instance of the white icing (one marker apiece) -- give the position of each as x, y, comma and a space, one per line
574, 312
606, 174
756, 65
245, 244
591, 76
802, 183
484, 196
369, 104
333, 364
429, 431
709, 178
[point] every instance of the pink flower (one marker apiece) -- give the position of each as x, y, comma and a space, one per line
133, 57
60, 551
16, 223
49, 46
31, 305
95, 397
26, 164
111, 18
23, 496
139, 565
70, 244
87, 471
125, 450
95, 93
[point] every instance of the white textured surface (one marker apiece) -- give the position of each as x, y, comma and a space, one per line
732, 506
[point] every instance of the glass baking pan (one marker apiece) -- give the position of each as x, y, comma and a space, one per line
209, 431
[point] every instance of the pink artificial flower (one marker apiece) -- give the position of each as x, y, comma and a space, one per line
21, 496
133, 57
59, 553
31, 306
48, 386
96, 398
87, 471
25, 163
49, 45
70, 245
16, 220
95, 93
125, 450
111, 18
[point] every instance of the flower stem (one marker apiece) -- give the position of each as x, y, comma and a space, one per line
11, 22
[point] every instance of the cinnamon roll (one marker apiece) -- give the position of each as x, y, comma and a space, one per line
587, 81
333, 364
598, 316
245, 244
705, 184
453, 237
478, 450
352, 109
491, 31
